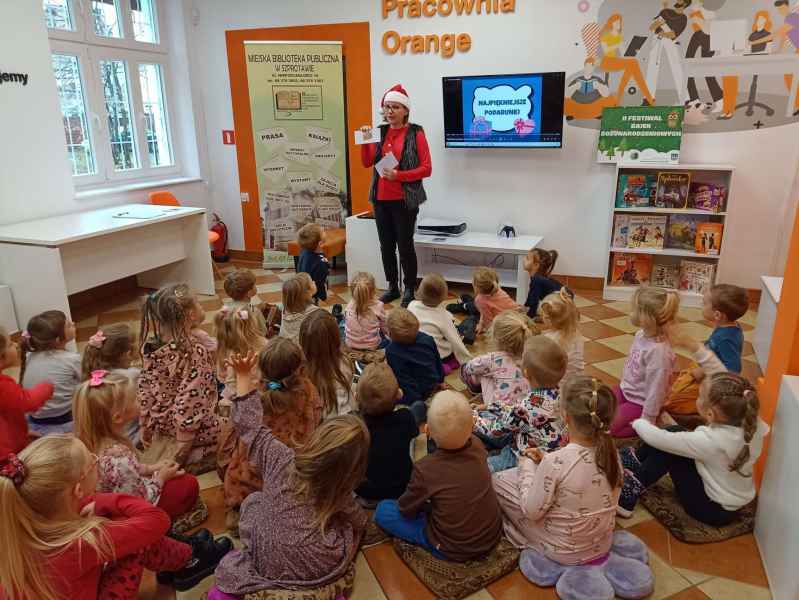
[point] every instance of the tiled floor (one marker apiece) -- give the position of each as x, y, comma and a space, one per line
730, 570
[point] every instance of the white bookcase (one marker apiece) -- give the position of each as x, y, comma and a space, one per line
704, 173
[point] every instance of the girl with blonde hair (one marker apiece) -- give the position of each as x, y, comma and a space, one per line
562, 325
365, 315
298, 294
490, 299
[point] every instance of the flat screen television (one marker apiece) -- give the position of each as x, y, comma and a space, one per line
504, 111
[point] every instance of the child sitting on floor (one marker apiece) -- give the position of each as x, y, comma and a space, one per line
44, 357
647, 372
534, 421
298, 294
435, 321
237, 332
291, 409
312, 260
177, 386
711, 467
243, 293
539, 264
314, 526
722, 305
365, 315
561, 321
413, 357
64, 541
102, 406
565, 507
391, 432
498, 375
110, 348
450, 508
327, 366
490, 299
15, 400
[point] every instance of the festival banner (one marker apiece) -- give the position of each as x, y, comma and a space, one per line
648, 134
298, 120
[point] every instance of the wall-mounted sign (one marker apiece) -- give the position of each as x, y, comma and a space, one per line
6, 77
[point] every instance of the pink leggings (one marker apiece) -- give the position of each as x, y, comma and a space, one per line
121, 579
626, 413
450, 364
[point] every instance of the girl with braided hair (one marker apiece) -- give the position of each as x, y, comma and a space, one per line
563, 503
177, 387
711, 467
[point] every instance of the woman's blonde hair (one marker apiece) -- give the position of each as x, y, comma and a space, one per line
106, 349
94, 407
296, 297
654, 308
485, 280
560, 313
511, 330
31, 533
363, 290
329, 466
238, 331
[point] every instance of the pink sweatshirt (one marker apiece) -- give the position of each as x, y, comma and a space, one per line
362, 332
647, 373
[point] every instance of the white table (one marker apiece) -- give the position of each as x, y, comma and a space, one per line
432, 251
748, 64
766, 318
46, 260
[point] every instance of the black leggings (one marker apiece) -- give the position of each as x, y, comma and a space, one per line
700, 42
395, 228
688, 484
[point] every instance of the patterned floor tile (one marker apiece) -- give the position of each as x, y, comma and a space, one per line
119, 316
271, 297
209, 480
612, 367
622, 323
396, 579
748, 349
265, 288
600, 312
263, 279
619, 343
689, 594
691, 314
481, 595
698, 331
750, 318
727, 589
602, 376
596, 330
215, 501
366, 585
621, 306
598, 351
581, 302
667, 580
515, 586
695, 577
640, 515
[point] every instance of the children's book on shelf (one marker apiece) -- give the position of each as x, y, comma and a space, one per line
646, 231
672, 190
636, 191
707, 196
682, 231
696, 276
708, 238
665, 275
620, 229
630, 269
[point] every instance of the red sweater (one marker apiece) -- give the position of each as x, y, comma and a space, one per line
394, 142
15, 401
134, 525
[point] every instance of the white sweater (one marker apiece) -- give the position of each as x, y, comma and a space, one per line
714, 447
438, 324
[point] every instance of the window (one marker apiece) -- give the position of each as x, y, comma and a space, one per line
112, 72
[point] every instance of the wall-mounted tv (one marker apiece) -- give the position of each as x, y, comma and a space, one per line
504, 111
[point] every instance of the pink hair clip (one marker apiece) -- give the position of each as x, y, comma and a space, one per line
25, 335
243, 315
97, 339
96, 377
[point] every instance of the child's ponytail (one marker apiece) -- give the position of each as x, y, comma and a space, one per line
510, 331
282, 372
167, 309
561, 314
363, 289
43, 333
546, 261
738, 404
107, 349
591, 406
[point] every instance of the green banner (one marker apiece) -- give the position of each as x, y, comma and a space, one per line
298, 121
641, 134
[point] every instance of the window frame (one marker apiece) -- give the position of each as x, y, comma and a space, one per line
90, 49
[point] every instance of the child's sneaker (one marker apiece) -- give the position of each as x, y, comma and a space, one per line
631, 490
629, 460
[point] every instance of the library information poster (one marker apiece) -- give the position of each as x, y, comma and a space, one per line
645, 134
298, 121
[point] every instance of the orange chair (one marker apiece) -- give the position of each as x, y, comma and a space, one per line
164, 198
334, 244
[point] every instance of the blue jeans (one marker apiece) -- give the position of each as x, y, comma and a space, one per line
502, 461
389, 518
42, 429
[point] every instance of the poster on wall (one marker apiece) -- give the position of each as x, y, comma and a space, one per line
298, 120
646, 134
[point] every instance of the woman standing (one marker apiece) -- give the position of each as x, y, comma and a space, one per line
397, 193
611, 38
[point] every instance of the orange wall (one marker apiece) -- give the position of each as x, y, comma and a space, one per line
357, 61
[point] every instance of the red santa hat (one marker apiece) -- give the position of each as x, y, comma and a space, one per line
396, 94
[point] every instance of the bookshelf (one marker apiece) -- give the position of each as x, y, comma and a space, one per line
675, 256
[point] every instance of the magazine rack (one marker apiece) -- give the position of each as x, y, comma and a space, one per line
690, 270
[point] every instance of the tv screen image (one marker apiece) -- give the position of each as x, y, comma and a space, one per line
504, 111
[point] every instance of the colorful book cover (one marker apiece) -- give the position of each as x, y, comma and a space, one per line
646, 231
630, 269
682, 231
620, 228
635, 191
672, 190
708, 238
696, 276
665, 275
707, 196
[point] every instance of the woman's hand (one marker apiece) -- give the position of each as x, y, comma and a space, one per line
390, 174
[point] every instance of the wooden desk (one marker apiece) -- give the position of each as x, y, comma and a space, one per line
46, 260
